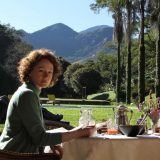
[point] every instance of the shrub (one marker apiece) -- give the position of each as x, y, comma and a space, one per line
99, 96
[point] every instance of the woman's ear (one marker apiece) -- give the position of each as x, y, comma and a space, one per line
27, 78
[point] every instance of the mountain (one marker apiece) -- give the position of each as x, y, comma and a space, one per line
68, 43
92, 29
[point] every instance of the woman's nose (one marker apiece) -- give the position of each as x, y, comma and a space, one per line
46, 74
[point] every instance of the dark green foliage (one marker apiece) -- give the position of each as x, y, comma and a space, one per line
134, 95
106, 65
14, 54
12, 49
86, 77
122, 96
6, 40
7, 84
69, 72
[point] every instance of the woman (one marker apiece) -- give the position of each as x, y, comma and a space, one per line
24, 129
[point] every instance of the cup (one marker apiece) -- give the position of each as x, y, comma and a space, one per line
112, 128
86, 118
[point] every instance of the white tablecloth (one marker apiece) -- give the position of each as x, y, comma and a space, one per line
112, 148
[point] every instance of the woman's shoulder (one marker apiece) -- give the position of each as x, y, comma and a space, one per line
22, 95
23, 92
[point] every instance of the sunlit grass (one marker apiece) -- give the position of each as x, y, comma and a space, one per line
73, 114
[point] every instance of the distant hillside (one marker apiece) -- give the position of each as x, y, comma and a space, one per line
92, 29
70, 44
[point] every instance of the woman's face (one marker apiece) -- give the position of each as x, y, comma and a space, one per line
41, 74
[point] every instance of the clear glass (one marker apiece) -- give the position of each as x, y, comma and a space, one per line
86, 118
112, 127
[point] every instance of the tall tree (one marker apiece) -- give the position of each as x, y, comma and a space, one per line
141, 55
12, 48
116, 7
8, 35
14, 54
129, 30
155, 21
128, 68
141, 64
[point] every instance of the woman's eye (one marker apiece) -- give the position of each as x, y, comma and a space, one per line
40, 70
50, 72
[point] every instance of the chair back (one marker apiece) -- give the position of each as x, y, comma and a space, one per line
51, 97
8, 155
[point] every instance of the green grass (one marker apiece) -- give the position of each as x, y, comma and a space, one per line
73, 114
99, 114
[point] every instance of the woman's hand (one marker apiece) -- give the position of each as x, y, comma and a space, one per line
78, 132
88, 131
57, 150
84, 131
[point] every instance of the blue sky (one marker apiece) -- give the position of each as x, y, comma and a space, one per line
33, 15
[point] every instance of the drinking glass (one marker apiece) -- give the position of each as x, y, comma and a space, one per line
112, 127
86, 118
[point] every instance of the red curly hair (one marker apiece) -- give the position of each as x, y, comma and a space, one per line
27, 64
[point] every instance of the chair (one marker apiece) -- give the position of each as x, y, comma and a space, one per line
57, 124
51, 98
53, 121
9, 155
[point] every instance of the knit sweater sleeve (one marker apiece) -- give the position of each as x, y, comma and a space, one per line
30, 115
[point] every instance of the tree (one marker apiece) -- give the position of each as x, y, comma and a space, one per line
141, 69
8, 36
116, 7
8, 84
86, 77
69, 73
89, 63
129, 30
14, 53
155, 21
12, 48
106, 65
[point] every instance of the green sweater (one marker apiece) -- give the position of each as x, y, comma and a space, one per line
24, 130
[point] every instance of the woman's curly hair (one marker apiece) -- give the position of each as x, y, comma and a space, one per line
27, 64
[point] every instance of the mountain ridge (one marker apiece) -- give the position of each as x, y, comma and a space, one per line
68, 43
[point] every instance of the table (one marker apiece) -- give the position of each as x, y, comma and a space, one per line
112, 148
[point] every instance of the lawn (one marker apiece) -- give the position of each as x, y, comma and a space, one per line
99, 114
73, 114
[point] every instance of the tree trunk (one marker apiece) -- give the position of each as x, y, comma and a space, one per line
128, 68
128, 75
118, 83
157, 85
141, 76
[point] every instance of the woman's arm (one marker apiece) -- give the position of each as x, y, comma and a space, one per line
77, 133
